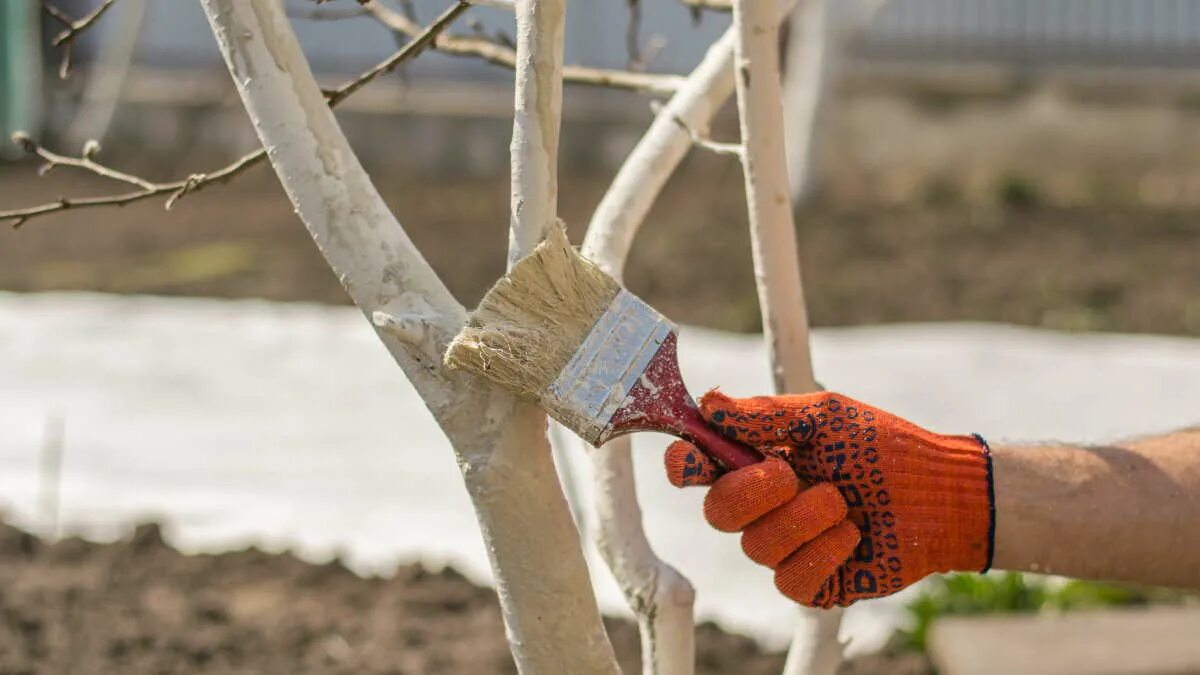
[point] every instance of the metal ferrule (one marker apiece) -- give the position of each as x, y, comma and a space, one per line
607, 365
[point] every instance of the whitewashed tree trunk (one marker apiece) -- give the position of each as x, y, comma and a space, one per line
536, 119
546, 596
658, 594
646, 170
772, 229
660, 597
776, 259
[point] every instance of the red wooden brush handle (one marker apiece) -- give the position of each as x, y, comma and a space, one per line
730, 454
660, 402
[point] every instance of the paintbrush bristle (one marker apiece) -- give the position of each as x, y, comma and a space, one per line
532, 321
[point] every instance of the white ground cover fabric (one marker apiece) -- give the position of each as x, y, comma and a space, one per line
287, 425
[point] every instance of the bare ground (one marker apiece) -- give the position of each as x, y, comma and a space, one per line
139, 606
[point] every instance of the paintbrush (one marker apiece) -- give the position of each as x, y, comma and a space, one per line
558, 331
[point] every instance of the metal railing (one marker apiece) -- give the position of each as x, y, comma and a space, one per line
1133, 33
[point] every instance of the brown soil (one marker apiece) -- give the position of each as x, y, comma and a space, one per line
1084, 268
138, 606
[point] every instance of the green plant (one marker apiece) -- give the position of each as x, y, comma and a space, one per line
1003, 592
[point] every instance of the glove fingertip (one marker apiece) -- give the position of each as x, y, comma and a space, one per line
715, 400
687, 465
808, 575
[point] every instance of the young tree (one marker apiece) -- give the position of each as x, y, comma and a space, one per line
546, 597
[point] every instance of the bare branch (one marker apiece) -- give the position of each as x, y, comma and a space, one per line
176, 190
645, 171
321, 14
420, 41
640, 56
702, 140
66, 39
496, 52
85, 161
634, 29
714, 5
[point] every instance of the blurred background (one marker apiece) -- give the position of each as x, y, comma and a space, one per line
1001, 237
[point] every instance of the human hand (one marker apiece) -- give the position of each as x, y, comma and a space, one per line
852, 502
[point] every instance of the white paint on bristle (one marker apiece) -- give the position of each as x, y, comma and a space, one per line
533, 319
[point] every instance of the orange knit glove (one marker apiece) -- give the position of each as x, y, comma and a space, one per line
852, 502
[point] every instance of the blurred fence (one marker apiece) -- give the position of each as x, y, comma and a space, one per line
1112, 33
1033, 33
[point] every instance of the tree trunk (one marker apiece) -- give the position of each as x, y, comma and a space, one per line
545, 594
776, 259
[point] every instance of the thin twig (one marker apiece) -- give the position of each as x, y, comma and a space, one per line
418, 44
85, 161
702, 141
66, 39
176, 190
632, 32
715, 5
495, 52
320, 14
640, 56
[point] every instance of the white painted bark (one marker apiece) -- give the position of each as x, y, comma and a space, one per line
810, 57
645, 171
772, 229
776, 259
816, 647
546, 597
536, 118
660, 597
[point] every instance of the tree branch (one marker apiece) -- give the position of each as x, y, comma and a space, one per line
702, 140
419, 42
177, 189
661, 598
536, 121
66, 39
645, 171
772, 228
503, 55
776, 260
715, 5
173, 190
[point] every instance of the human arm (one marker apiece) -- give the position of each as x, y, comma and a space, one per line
1127, 511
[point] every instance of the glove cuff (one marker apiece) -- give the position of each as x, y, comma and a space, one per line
991, 493
945, 483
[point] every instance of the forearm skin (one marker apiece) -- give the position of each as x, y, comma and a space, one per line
1123, 512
